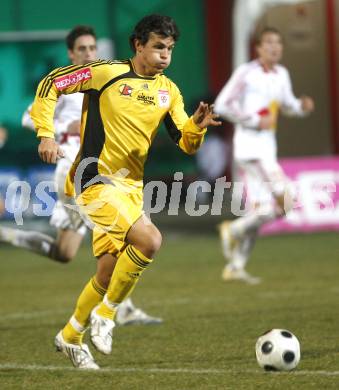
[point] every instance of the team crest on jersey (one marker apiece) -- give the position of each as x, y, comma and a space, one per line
73, 78
164, 98
125, 90
145, 86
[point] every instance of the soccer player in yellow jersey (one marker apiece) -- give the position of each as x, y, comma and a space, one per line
82, 48
124, 104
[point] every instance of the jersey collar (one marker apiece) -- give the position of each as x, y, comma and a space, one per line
139, 75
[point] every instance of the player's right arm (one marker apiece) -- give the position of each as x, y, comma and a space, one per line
65, 80
228, 101
291, 105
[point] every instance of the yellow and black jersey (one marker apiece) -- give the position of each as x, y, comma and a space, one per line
121, 114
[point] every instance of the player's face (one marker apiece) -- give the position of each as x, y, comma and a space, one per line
270, 49
84, 50
155, 56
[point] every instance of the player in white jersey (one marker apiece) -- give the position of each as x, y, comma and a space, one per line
252, 99
81, 42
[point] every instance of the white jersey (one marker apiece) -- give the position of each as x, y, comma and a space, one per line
252, 92
68, 109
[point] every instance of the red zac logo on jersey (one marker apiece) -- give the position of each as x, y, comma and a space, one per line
73, 78
125, 90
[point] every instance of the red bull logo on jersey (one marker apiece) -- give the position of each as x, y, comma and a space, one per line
73, 78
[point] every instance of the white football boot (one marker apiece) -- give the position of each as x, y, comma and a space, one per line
128, 314
101, 332
79, 355
241, 275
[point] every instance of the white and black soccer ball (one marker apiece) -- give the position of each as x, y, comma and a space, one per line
278, 350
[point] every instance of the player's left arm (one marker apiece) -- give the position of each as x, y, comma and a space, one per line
189, 132
291, 105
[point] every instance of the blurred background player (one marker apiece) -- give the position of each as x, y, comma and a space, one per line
82, 48
252, 99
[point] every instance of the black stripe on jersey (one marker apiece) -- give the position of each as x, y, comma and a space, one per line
72, 68
64, 71
52, 74
43, 87
130, 75
137, 76
48, 78
43, 90
172, 129
63, 74
113, 62
94, 138
60, 72
115, 79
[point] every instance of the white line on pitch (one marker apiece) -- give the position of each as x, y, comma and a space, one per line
33, 367
41, 313
32, 314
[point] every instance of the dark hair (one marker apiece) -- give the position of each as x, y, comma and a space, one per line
158, 24
266, 30
77, 32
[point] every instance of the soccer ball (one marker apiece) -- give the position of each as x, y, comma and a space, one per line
278, 350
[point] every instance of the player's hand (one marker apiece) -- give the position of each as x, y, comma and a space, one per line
49, 151
204, 116
266, 122
74, 127
307, 104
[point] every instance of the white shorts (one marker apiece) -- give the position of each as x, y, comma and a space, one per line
64, 217
261, 180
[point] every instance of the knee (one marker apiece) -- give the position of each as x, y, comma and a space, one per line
150, 243
61, 256
155, 240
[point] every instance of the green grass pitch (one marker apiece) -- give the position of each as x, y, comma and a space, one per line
208, 337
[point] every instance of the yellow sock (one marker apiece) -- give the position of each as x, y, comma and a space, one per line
130, 265
90, 297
